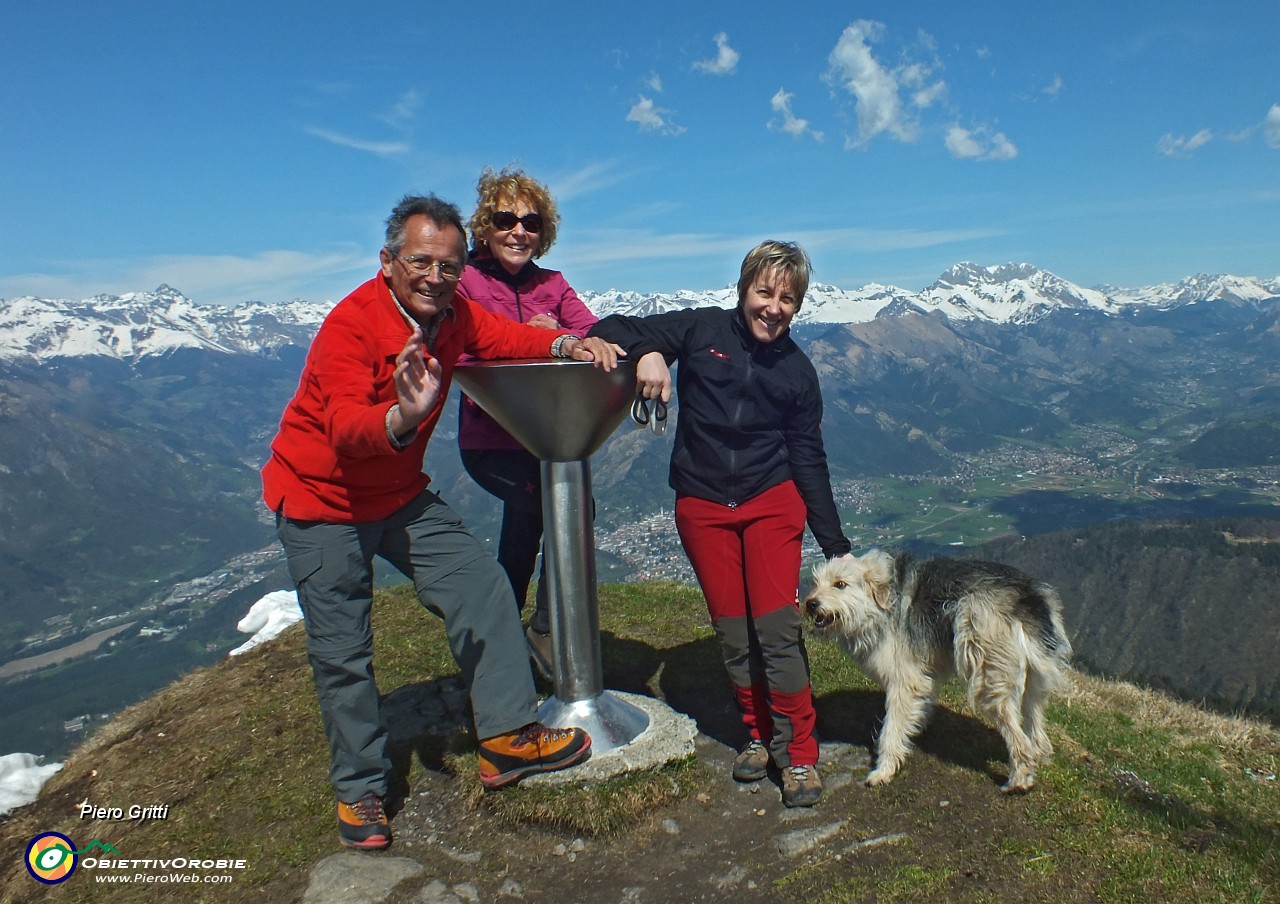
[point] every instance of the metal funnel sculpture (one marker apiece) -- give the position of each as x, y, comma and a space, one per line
562, 411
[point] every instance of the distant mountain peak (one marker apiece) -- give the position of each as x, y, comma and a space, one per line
968, 273
1201, 287
1012, 292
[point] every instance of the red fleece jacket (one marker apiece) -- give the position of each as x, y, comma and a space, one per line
331, 460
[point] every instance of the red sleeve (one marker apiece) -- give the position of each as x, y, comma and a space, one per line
487, 335
352, 368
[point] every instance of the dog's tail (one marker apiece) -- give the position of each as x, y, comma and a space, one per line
1044, 639
1054, 637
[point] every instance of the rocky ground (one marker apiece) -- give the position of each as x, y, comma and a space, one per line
727, 842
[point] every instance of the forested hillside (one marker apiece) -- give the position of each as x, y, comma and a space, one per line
1189, 607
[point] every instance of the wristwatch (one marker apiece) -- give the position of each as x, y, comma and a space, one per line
557, 346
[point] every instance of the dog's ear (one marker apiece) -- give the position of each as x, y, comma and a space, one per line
815, 570
878, 569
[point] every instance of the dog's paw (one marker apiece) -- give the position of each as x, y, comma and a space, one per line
879, 776
1020, 782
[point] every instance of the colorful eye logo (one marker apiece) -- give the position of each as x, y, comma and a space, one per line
51, 858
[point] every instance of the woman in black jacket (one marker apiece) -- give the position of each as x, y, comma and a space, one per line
749, 471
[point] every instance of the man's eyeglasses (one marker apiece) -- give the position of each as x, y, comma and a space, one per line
506, 220
450, 271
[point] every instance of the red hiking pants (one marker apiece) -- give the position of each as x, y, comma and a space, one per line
747, 561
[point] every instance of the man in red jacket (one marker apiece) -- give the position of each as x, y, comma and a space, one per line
346, 483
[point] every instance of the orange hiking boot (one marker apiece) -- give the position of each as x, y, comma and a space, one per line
364, 824
507, 758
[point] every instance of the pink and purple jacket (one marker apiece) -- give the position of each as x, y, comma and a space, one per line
531, 291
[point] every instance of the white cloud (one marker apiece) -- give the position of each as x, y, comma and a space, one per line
916, 76
961, 143
616, 246
1271, 127
892, 100
646, 115
1054, 88
655, 83
979, 144
612, 246
381, 148
652, 118
207, 279
786, 121
404, 110
1002, 148
726, 59
926, 96
586, 180
879, 90
1181, 146
246, 277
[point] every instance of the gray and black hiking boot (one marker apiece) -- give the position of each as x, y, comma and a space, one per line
752, 763
801, 786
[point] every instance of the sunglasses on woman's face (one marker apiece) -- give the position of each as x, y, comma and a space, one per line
506, 220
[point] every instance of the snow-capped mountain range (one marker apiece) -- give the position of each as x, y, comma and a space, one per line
142, 324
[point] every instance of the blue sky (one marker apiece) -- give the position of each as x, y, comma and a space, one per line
251, 150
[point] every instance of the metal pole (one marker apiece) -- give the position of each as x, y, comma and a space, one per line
525, 398
569, 545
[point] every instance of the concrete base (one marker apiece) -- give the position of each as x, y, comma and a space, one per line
668, 737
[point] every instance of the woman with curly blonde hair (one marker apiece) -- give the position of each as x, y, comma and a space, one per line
514, 223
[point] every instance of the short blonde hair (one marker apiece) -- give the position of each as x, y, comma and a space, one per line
788, 257
512, 185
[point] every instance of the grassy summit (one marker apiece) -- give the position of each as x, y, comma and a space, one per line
1147, 798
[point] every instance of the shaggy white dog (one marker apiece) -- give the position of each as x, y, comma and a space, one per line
910, 623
